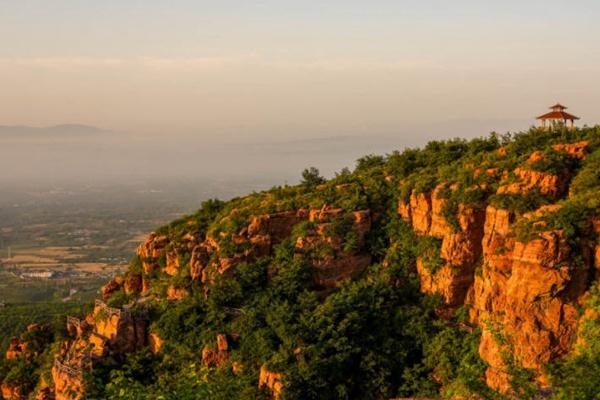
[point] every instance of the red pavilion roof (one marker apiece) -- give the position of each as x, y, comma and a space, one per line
558, 115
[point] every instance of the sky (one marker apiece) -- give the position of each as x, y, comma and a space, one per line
244, 71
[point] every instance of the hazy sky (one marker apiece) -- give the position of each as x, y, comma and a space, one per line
253, 70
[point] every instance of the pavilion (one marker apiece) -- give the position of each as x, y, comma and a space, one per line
557, 117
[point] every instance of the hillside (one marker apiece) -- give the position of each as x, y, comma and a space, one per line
462, 270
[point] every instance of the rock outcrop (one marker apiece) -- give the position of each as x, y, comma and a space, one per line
256, 240
175, 293
576, 150
16, 348
112, 286
526, 298
460, 246
131, 283
107, 331
523, 295
19, 347
212, 358
45, 391
155, 342
151, 251
68, 382
12, 392
335, 258
116, 331
527, 180
271, 381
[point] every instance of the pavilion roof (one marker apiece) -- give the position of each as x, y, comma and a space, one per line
558, 115
558, 106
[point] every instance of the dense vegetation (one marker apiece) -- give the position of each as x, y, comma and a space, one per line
26, 370
14, 318
375, 336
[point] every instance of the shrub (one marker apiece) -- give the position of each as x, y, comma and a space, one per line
312, 177
369, 162
520, 203
428, 248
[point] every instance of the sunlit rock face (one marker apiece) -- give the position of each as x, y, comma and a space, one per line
529, 291
272, 381
460, 246
523, 295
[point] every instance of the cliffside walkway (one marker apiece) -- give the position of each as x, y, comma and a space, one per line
110, 311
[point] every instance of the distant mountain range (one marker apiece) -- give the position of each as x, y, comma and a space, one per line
57, 130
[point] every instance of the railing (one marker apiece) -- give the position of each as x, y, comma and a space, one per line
110, 311
74, 321
232, 311
71, 371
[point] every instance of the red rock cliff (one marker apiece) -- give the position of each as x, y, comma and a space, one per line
523, 295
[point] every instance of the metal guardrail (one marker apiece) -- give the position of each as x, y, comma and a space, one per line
74, 321
110, 311
71, 371
232, 311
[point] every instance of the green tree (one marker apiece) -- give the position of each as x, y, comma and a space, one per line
311, 177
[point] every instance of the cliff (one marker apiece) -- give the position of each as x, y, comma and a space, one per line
462, 270
523, 291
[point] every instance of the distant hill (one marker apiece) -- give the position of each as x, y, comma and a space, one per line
57, 130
